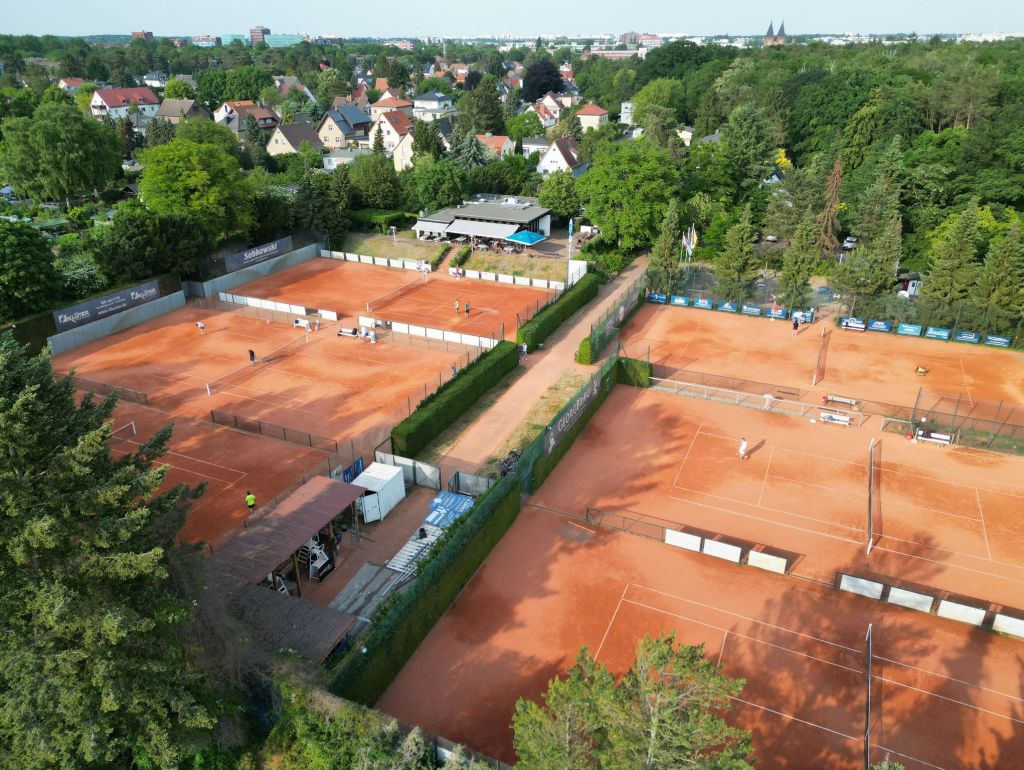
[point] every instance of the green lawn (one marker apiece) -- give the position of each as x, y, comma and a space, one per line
519, 264
374, 245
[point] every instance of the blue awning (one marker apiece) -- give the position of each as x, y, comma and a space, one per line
526, 238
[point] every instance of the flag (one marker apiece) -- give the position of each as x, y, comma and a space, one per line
570, 228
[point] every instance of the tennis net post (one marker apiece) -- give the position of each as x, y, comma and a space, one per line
871, 495
869, 643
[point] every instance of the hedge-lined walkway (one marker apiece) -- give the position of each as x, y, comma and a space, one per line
487, 433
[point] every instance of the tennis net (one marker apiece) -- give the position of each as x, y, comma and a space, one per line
386, 299
243, 373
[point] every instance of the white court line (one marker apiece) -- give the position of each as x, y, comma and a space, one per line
984, 529
721, 650
610, 622
797, 719
242, 474
816, 456
768, 508
687, 455
771, 454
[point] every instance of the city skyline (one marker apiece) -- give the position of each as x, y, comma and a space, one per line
461, 18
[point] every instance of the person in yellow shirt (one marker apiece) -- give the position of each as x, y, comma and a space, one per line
250, 500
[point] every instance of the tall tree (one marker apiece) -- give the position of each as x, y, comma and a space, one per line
1000, 283
378, 142
374, 182
28, 280
433, 184
736, 264
627, 190
184, 178
177, 88
524, 125
480, 110
426, 141
558, 193
541, 76
207, 132
92, 673
323, 203
244, 83
58, 154
664, 93
953, 268
127, 139
470, 152
864, 273
798, 265
828, 220
663, 268
159, 131
749, 146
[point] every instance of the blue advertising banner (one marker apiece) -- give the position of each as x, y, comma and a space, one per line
937, 333
703, 304
849, 322
776, 312
258, 254
661, 299
107, 305
680, 301
972, 337
727, 307
752, 310
804, 316
879, 326
997, 340
911, 330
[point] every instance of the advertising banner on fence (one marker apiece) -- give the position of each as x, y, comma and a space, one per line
776, 313
107, 305
973, 337
680, 301
937, 333
804, 316
752, 310
728, 307
661, 299
258, 254
568, 418
703, 304
997, 340
910, 330
879, 326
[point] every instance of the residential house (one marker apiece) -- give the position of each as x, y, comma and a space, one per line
288, 139
287, 85
402, 155
176, 110
592, 117
487, 216
381, 84
538, 144
459, 71
388, 104
235, 115
391, 93
114, 103
497, 145
432, 105
562, 155
336, 158
446, 128
393, 126
566, 72
155, 79
339, 127
355, 99
686, 134
547, 119
187, 79
71, 85
626, 113
715, 138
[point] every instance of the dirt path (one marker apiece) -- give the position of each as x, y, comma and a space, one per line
544, 368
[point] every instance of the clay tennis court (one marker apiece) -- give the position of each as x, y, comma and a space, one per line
945, 518
229, 462
943, 695
347, 287
318, 382
868, 365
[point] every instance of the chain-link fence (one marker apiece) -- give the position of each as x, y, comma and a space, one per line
606, 328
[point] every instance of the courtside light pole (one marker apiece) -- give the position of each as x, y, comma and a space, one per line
867, 704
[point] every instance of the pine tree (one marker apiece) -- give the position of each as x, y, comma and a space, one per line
253, 133
378, 142
736, 265
1000, 283
663, 268
888, 245
953, 267
828, 220
470, 153
878, 206
865, 273
92, 672
798, 265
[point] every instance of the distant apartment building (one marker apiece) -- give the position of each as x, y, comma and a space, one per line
114, 103
402, 45
258, 35
142, 35
206, 41
231, 37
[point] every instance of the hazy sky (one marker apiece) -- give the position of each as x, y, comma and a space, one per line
455, 18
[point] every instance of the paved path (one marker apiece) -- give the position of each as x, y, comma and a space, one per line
543, 368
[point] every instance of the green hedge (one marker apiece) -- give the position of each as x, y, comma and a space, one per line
544, 324
462, 256
398, 632
453, 399
543, 466
635, 372
381, 219
583, 354
442, 252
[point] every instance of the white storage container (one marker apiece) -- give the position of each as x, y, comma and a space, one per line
385, 488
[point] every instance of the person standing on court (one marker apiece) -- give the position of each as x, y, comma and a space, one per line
252, 356
796, 325
467, 310
202, 328
743, 449
456, 307
250, 500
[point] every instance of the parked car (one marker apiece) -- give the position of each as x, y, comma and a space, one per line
849, 243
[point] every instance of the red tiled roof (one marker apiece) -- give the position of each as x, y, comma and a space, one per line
391, 102
592, 110
399, 121
496, 143
543, 112
381, 84
244, 103
73, 82
125, 97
